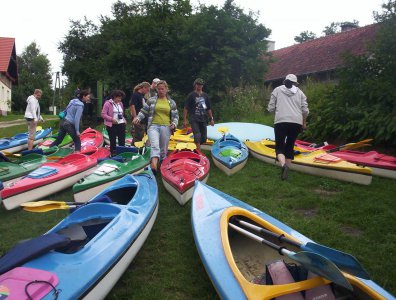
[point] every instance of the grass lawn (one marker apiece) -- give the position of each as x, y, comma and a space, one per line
356, 219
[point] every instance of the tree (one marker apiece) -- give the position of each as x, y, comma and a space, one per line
305, 36
34, 73
331, 29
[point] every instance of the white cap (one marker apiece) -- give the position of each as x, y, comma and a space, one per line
156, 80
292, 78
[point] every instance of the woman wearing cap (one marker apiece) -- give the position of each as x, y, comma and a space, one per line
137, 101
291, 110
162, 118
114, 119
153, 87
198, 108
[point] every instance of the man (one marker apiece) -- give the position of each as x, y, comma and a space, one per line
198, 108
290, 106
32, 115
135, 105
153, 87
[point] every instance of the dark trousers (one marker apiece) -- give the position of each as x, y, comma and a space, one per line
64, 128
200, 131
117, 131
285, 137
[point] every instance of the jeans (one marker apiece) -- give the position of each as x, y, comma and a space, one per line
200, 131
159, 136
64, 128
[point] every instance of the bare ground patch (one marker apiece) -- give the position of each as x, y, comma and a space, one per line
351, 231
325, 192
308, 213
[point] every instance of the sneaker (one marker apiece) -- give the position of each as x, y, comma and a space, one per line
285, 171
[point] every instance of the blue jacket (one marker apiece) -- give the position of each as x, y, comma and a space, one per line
74, 113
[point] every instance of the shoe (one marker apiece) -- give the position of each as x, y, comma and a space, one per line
285, 171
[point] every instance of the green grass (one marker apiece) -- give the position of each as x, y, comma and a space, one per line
360, 220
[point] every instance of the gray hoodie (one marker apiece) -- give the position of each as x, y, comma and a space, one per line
74, 113
289, 105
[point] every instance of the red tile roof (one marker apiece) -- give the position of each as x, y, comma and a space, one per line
322, 54
6, 47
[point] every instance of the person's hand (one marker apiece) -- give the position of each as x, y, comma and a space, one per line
172, 126
212, 122
185, 124
304, 126
78, 133
136, 121
114, 121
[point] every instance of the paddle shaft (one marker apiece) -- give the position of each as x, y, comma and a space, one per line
280, 237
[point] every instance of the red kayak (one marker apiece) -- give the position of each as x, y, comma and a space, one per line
180, 170
51, 177
91, 137
381, 164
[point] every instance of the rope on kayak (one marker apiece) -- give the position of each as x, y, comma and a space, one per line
56, 291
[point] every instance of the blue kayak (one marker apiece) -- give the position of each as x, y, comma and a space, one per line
229, 154
243, 131
93, 246
236, 263
19, 141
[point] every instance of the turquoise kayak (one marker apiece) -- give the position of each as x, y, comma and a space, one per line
19, 141
89, 250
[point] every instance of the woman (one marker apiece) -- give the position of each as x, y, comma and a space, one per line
32, 115
291, 110
71, 123
162, 118
114, 119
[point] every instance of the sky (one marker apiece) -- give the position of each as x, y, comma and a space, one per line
47, 22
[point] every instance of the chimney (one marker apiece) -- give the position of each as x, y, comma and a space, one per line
270, 45
346, 26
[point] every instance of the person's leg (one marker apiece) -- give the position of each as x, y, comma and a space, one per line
121, 134
61, 135
280, 136
204, 132
69, 128
153, 133
112, 137
292, 132
197, 133
31, 134
165, 134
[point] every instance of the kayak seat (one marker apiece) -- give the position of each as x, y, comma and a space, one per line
43, 172
4, 170
30, 249
327, 158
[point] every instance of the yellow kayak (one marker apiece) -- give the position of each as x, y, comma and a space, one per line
318, 163
185, 135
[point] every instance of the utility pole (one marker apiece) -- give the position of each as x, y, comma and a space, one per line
57, 84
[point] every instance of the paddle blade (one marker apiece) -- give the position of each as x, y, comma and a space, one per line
222, 130
46, 208
320, 266
344, 261
44, 203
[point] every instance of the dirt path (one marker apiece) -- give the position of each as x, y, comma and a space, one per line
4, 124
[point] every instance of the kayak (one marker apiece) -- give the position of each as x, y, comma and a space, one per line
67, 140
51, 177
88, 251
180, 170
236, 264
107, 172
14, 169
186, 135
241, 130
381, 164
318, 163
128, 137
19, 141
91, 137
229, 154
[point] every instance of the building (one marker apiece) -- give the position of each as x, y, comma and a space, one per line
319, 58
8, 72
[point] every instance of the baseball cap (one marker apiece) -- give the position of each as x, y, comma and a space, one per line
156, 80
198, 81
292, 78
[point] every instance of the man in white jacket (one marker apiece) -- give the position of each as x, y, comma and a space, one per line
291, 110
32, 115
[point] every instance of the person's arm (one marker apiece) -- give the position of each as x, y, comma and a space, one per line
77, 119
174, 114
272, 103
105, 113
34, 104
305, 111
210, 114
185, 117
133, 111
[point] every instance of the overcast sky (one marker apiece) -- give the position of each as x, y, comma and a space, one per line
47, 22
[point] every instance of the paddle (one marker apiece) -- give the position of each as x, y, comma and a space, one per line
223, 130
311, 261
188, 146
344, 261
350, 145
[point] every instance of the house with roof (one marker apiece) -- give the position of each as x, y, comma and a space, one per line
8, 72
319, 58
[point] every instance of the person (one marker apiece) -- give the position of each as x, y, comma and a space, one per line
153, 87
198, 108
290, 106
71, 123
114, 119
33, 116
135, 104
162, 119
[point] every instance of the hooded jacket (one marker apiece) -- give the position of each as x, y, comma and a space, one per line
74, 110
289, 105
33, 109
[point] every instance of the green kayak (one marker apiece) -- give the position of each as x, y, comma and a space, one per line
128, 137
67, 140
107, 172
20, 166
